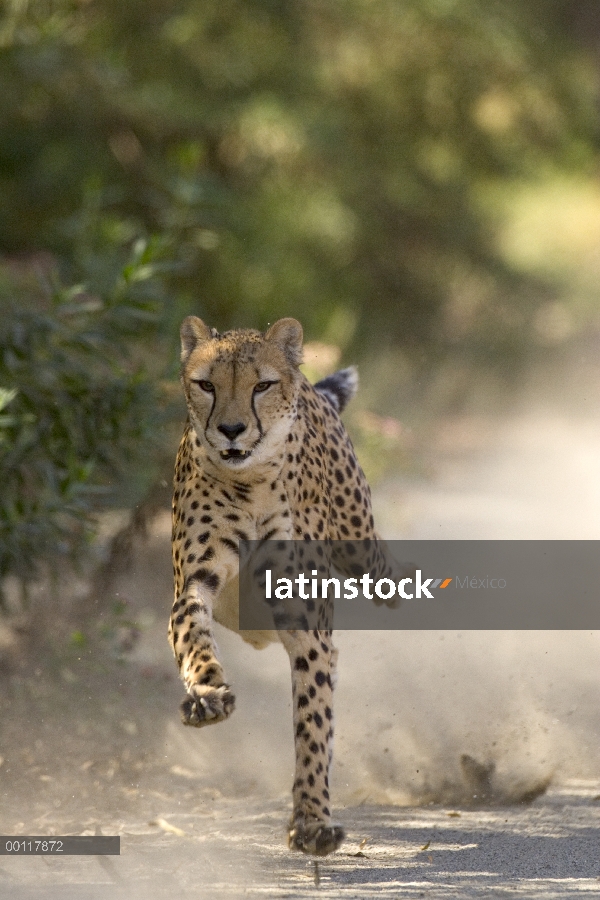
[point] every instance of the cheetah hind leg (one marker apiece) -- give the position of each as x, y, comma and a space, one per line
315, 837
312, 657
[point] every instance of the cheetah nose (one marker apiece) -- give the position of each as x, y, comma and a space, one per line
232, 431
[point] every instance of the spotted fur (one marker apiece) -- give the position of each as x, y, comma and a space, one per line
264, 455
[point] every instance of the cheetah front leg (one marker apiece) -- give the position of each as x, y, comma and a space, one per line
312, 659
209, 698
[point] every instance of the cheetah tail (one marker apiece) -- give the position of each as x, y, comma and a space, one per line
340, 387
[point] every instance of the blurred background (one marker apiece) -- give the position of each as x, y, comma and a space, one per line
417, 181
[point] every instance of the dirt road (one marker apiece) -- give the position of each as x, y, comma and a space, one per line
93, 744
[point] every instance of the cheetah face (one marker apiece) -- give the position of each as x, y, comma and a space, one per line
241, 389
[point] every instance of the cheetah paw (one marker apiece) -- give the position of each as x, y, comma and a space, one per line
315, 837
206, 705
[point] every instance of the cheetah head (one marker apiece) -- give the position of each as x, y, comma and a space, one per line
241, 389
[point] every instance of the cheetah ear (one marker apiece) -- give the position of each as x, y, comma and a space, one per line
193, 331
287, 334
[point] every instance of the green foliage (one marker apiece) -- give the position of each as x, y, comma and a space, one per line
317, 159
76, 414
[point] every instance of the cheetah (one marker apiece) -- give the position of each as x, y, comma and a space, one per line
264, 456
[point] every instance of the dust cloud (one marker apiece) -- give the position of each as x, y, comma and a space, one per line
522, 704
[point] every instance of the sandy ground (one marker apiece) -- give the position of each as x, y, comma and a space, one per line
93, 744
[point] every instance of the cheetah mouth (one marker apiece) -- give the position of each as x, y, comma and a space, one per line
235, 455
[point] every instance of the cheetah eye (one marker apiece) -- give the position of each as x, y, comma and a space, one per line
263, 386
207, 386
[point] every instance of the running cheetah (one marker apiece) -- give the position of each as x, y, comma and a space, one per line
264, 455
